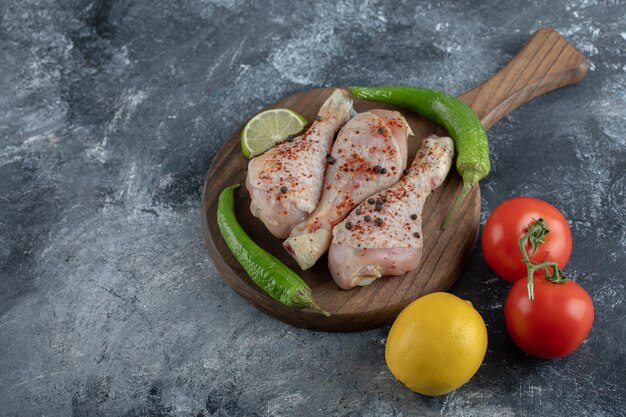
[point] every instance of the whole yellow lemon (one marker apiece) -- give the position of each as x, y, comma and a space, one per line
436, 344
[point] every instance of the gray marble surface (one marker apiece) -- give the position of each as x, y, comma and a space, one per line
112, 111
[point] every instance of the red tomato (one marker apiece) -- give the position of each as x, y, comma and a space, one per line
508, 223
552, 325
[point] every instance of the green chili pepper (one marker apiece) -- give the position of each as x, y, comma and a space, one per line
270, 274
462, 124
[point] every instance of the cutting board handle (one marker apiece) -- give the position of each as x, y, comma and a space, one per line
547, 62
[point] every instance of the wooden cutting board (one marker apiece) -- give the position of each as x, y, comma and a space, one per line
546, 62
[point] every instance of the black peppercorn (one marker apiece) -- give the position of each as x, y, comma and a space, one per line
358, 211
378, 168
367, 218
290, 138
371, 200
348, 225
414, 216
284, 189
406, 171
383, 171
318, 118
381, 130
378, 207
331, 160
379, 222
416, 234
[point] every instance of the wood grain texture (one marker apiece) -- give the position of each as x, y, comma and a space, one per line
546, 62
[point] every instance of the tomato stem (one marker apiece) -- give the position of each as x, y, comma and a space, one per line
537, 230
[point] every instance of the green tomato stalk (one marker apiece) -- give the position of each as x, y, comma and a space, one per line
537, 230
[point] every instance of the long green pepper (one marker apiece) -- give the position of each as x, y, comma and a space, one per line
462, 124
267, 272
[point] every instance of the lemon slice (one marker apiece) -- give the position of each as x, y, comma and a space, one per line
268, 128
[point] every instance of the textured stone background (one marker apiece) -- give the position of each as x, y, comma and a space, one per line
110, 114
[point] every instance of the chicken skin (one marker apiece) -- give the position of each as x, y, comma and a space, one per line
369, 155
285, 183
383, 235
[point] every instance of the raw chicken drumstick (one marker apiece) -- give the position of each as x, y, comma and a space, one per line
369, 155
383, 236
285, 183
